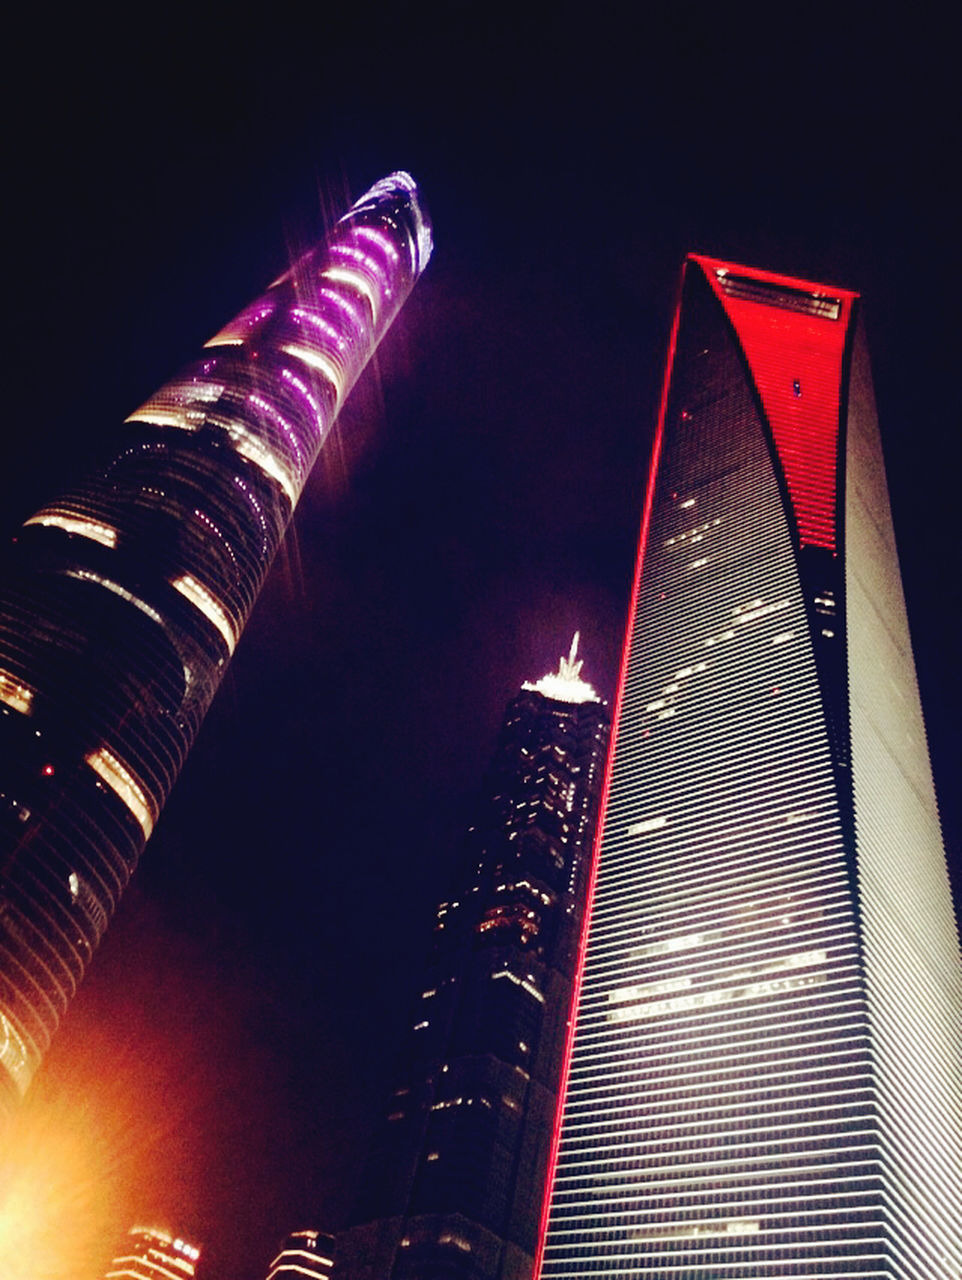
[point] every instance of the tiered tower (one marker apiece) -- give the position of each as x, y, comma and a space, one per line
125, 598
152, 1253
304, 1253
456, 1177
765, 1074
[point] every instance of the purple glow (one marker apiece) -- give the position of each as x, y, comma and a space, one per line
375, 237
319, 323
342, 304
363, 260
304, 392
197, 496
271, 413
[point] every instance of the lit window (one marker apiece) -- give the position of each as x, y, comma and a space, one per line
649, 824
121, 781
526, 984
458, 1241
14, 694
760, 611
80, 525
254, 450
84, 575
13, 1054
318, 360
355, 280
213, 611
157, 416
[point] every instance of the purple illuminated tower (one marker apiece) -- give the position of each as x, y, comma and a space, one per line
127, 596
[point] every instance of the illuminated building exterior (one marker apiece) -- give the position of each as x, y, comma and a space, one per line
153, 1254
764, 1078
127, 595
304, 1253
455, 1179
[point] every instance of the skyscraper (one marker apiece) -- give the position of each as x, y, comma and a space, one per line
455, 1179
125, 597
152, 1253
764, 1078
304, 1253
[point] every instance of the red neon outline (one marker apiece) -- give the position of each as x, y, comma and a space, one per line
609, 767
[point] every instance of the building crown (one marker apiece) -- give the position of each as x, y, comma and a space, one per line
565, 684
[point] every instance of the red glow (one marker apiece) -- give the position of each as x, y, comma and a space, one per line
785, 349
599, 834
48, 770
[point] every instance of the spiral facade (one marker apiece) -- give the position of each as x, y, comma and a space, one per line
127, 595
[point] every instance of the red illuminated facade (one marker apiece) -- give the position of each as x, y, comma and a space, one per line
764, 1073
796, 360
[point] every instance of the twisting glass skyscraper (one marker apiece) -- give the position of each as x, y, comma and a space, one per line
127, 595
454, 1184
764, 1078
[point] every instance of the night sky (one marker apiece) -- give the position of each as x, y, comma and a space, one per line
225, 1062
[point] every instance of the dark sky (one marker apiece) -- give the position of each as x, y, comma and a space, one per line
224, 1063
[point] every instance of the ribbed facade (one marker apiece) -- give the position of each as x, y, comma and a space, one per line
151, 1253
764, 1078
454, 1184
126, 596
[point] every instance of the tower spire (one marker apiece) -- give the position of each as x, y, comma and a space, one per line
568, 668
566, 684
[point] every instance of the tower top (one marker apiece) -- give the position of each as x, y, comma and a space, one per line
565, 684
